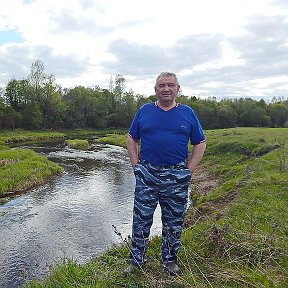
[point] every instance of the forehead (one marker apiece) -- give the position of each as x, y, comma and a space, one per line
166, 80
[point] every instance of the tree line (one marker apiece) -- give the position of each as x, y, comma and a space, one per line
37, 102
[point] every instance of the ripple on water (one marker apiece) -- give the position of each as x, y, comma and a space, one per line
72, 216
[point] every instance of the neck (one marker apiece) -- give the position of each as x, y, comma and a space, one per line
166, 105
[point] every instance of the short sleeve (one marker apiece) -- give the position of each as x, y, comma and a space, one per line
134, 130
197, 135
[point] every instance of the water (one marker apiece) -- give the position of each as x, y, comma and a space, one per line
71, 216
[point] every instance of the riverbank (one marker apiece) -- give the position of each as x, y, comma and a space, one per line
236, 229
24, 169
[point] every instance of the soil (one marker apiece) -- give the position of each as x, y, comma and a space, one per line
203, 183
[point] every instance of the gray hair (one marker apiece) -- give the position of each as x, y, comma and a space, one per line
167, 74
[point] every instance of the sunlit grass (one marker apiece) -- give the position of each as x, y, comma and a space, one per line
24, 169
12, 136
239, 242
81, 144
113, 139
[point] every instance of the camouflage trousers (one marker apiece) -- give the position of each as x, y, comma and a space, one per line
168, 186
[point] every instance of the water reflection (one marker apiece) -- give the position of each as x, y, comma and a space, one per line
71, 216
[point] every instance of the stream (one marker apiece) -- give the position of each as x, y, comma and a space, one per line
69, 217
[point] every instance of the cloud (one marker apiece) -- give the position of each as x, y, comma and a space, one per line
70, 21
263, 54
260, 52
140, 60
134, 59
24, 55
195, 49
223, 50
264, 48
266, 40
281, 3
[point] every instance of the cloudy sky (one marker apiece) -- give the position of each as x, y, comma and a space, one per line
223, 48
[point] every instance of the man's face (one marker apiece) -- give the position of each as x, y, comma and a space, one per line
166, 89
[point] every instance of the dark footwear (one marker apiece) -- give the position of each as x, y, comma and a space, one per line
130, 269
172, 268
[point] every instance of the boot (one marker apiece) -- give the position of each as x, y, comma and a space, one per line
131, 268
172, 268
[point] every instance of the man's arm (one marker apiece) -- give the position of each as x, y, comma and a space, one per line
132, 146
196, 155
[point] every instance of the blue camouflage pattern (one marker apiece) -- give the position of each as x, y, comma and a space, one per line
168, 186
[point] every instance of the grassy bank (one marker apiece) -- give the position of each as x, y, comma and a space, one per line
236, 233
16, 136
22, 169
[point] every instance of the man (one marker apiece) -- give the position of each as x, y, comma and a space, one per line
163, 169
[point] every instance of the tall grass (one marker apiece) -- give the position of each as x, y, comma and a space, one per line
24, 169
237, 236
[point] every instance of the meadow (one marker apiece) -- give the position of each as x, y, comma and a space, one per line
235, 232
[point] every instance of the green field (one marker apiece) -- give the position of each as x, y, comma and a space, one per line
236, 232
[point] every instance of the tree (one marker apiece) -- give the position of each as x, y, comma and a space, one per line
278, 113
119, 87
37, 76
226, 116
9, 118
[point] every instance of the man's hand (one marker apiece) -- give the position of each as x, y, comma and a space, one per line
196, 156
132, 146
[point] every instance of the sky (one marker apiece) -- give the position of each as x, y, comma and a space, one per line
222, 49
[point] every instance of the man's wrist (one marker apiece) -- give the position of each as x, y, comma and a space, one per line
133, 163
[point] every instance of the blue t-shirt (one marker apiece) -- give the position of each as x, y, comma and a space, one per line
164, 135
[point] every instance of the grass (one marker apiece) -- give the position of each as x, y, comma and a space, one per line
81, 144
238, 233
14, 136
113, 139
23, 169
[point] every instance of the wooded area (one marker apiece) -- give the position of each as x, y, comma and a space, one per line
37, 102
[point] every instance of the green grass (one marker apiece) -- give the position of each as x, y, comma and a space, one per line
113, 139
240, 236
79, 133
22, 169
14, 136
81, 144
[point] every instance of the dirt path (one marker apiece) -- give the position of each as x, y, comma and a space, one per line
202, 183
